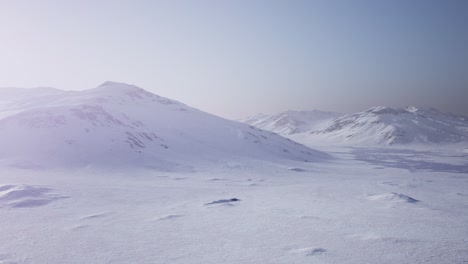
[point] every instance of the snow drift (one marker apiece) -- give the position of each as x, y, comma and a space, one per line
22, 196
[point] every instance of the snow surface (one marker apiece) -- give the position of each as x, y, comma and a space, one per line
376, 126
292, 122
412, 209
390, 126
84, 180
120, 124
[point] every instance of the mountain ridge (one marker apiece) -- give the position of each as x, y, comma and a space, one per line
378, 125
397, 126
290, 121
117, 124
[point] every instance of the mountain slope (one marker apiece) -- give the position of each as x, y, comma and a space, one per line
117, 124
292, 122
389, 126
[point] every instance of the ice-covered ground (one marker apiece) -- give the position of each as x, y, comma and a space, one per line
374, 205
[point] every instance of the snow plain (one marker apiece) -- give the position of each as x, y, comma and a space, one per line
406, 206
235, 195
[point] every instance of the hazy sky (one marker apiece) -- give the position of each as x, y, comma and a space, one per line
238, 58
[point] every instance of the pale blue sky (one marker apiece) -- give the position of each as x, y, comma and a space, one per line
238, 58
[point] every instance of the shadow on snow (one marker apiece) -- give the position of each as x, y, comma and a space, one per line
412, 160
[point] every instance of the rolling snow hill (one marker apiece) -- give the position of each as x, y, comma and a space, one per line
292, 122
390, 126
120, 124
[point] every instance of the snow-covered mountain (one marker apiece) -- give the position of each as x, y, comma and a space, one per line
388, 126
292, 122
120, 124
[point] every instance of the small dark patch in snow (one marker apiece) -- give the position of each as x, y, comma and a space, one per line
297, 169
169, 217
222, 201
316, 251
216, 179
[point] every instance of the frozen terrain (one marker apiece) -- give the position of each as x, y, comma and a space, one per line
377, 126
397, 126
119, 124
119, 175
365, 206
292, 122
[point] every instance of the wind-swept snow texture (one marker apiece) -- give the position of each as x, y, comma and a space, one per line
25, 196
120, 124
255, 200
411, 208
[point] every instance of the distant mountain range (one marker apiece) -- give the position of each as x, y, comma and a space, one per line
375, 126
292, 122
118, 124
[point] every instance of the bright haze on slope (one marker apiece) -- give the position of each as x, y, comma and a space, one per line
266, 56
117, 124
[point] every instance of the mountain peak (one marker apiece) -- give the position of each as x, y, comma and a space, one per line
416, 109
120, 124
107, 83
291, 121
405, 110
379, 110
124, 90
386, 125
118, 86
